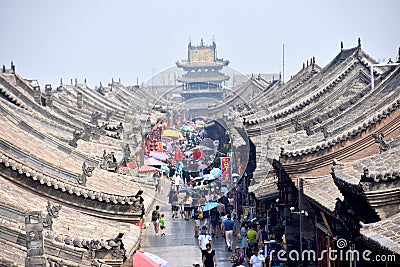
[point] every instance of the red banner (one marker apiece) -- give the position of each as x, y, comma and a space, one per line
178, 154
226, 170
198, 153
160, 147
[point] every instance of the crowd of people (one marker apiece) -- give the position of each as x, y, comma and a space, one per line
211, 209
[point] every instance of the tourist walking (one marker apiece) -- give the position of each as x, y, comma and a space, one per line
209, 258
196, 219
230, 232
252, 236
204, 239
162, 224
243, 233
175, 204
177, 181
187, 205
257, 260
237, 258
155, 218
261, 236
215, 221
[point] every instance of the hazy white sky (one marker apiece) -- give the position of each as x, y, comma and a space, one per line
98, 40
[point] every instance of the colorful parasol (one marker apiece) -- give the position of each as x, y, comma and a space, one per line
153, 162
148, 169
146, 259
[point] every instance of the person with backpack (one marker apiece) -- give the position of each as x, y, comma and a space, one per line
155, 218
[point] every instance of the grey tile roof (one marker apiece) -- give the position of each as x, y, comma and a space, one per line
381, 167
266, 188
323, 191
70, 222
385, 233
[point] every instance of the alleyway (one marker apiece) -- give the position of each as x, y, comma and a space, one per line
179, 246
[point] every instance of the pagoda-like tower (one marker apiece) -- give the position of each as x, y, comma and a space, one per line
203, 77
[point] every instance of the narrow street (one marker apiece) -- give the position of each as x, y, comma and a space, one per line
179, 246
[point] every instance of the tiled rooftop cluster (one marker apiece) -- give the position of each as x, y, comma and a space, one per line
37, 165
326, 116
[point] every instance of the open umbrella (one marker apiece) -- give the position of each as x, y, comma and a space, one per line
208, 177
148, 169
159, 155
153, 162
195, 179
205, 148
186, 128
164, 168
210, 206
202, 166
146, 259
172, 133
216, 172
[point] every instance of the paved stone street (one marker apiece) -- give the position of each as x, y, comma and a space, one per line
179, 246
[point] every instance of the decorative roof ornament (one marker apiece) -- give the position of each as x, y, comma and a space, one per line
52, 212
76, 136
341, 45
359, 42
383, 145
324, 130
12, 67
94, 118
87, 171
398, 56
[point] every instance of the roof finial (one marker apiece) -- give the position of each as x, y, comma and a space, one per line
359, 42
201, 42
307, 63
61, 82
313, 60
303, 66
398, 56
341, 45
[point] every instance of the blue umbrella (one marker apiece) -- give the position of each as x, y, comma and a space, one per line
216, 172
208, 177
210, 206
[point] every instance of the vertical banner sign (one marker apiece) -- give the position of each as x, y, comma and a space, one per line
226, 170
160, 147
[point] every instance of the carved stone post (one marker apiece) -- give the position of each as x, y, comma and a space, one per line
49, 93
36, 94
79, 101
34, 240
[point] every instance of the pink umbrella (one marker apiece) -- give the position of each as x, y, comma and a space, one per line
148, 169
153, 162
202, 166
146, 259
159, 155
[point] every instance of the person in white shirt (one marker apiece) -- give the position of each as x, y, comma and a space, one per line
258, 259
177, 181
204, 238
